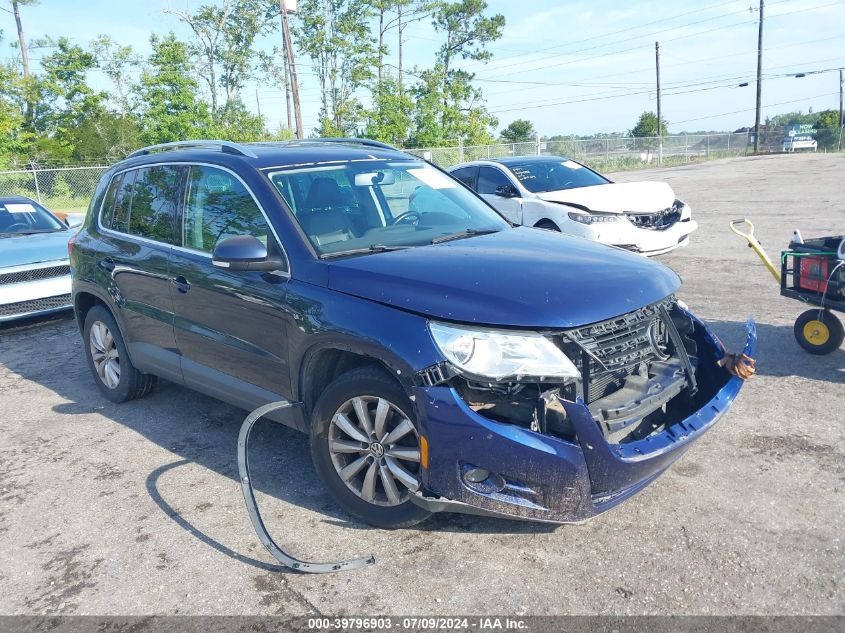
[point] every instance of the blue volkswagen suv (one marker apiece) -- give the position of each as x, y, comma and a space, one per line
439, 358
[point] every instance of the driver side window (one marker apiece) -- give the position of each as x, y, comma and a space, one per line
219, 206
489, 179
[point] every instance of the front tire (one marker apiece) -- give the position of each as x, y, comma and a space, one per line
366, 449
113, 372
818, 331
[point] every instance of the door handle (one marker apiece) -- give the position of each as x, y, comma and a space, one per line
106, 264
182, 284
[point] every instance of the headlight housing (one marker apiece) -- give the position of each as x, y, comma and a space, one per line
499, 354
592, 218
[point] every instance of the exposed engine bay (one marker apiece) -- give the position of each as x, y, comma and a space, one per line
640, 372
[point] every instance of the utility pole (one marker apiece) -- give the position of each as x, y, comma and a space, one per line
257, 102
659, 113
24, 59
759, 81
841, 120
291, 64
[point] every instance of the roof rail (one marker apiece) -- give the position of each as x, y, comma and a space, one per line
226, 147
350, 141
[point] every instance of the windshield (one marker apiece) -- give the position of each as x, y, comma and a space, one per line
26, 217
377, 205
539, 176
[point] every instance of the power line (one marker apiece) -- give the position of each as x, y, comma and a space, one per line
633, 48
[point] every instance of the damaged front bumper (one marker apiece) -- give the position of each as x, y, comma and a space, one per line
541, 477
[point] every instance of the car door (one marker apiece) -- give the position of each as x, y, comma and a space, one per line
493, 185
231, 326
138, 231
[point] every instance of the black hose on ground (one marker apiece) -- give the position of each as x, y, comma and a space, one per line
255, 516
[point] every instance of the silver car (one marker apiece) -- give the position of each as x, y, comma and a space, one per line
34, 267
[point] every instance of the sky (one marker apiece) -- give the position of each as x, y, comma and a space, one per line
569, 67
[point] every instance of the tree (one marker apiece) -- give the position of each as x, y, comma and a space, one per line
336, 36
390, 119
467, 31
519, 131
647, 125
13, 137
224, 37
117, 62
168, 95
463, 118
66, 99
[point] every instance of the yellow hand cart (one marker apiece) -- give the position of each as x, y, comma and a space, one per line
813, 272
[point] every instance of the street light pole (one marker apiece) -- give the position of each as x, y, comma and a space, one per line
659, 120
759, 81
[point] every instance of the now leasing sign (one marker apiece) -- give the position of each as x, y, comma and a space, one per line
800, 136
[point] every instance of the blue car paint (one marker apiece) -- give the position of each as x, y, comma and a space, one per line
519, 278
571, 481
378, 306
20, 250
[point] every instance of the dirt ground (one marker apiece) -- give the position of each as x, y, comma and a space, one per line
135, 508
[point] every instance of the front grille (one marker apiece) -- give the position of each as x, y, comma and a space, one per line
34, 274
35, 305
606, 353
659, 221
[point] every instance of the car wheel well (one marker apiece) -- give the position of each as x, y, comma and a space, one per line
82, 304
326, 365
545, 223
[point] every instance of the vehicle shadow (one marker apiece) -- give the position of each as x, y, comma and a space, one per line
199, 430
778, 353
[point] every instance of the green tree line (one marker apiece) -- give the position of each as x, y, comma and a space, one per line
194, 87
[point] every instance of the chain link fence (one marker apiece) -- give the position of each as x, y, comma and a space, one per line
70, 188
633, 152
59, 188
605, 154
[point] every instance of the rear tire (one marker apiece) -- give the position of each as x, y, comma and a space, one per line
113, 372
819, 332
369, 467
548, 225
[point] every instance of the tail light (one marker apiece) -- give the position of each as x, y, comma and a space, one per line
70, 245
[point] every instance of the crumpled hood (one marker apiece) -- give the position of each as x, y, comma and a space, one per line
520, 277
639, 197
30, 249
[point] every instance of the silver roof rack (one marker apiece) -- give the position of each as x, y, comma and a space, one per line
348, 141
226, 147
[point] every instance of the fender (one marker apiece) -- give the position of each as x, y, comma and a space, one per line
369, 348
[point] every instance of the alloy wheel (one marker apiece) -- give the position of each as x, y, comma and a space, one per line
375, 449
105, 354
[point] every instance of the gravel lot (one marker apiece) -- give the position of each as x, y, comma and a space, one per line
133, 509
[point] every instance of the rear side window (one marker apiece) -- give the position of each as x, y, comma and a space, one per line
144, 202
219, 206
108, 202
123, 203
466, 175
154, 203
489, 179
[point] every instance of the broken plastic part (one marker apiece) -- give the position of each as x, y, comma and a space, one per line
255, 516
738, 365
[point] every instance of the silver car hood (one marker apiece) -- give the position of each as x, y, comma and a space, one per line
637, 197
20, 250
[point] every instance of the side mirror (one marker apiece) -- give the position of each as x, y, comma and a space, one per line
74, 220
506, 191
244, 252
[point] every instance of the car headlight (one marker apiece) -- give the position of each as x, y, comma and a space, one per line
499, 354
592, 218
677, 205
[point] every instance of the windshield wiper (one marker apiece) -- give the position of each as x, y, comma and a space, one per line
463, 234
30, 232
372, 248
